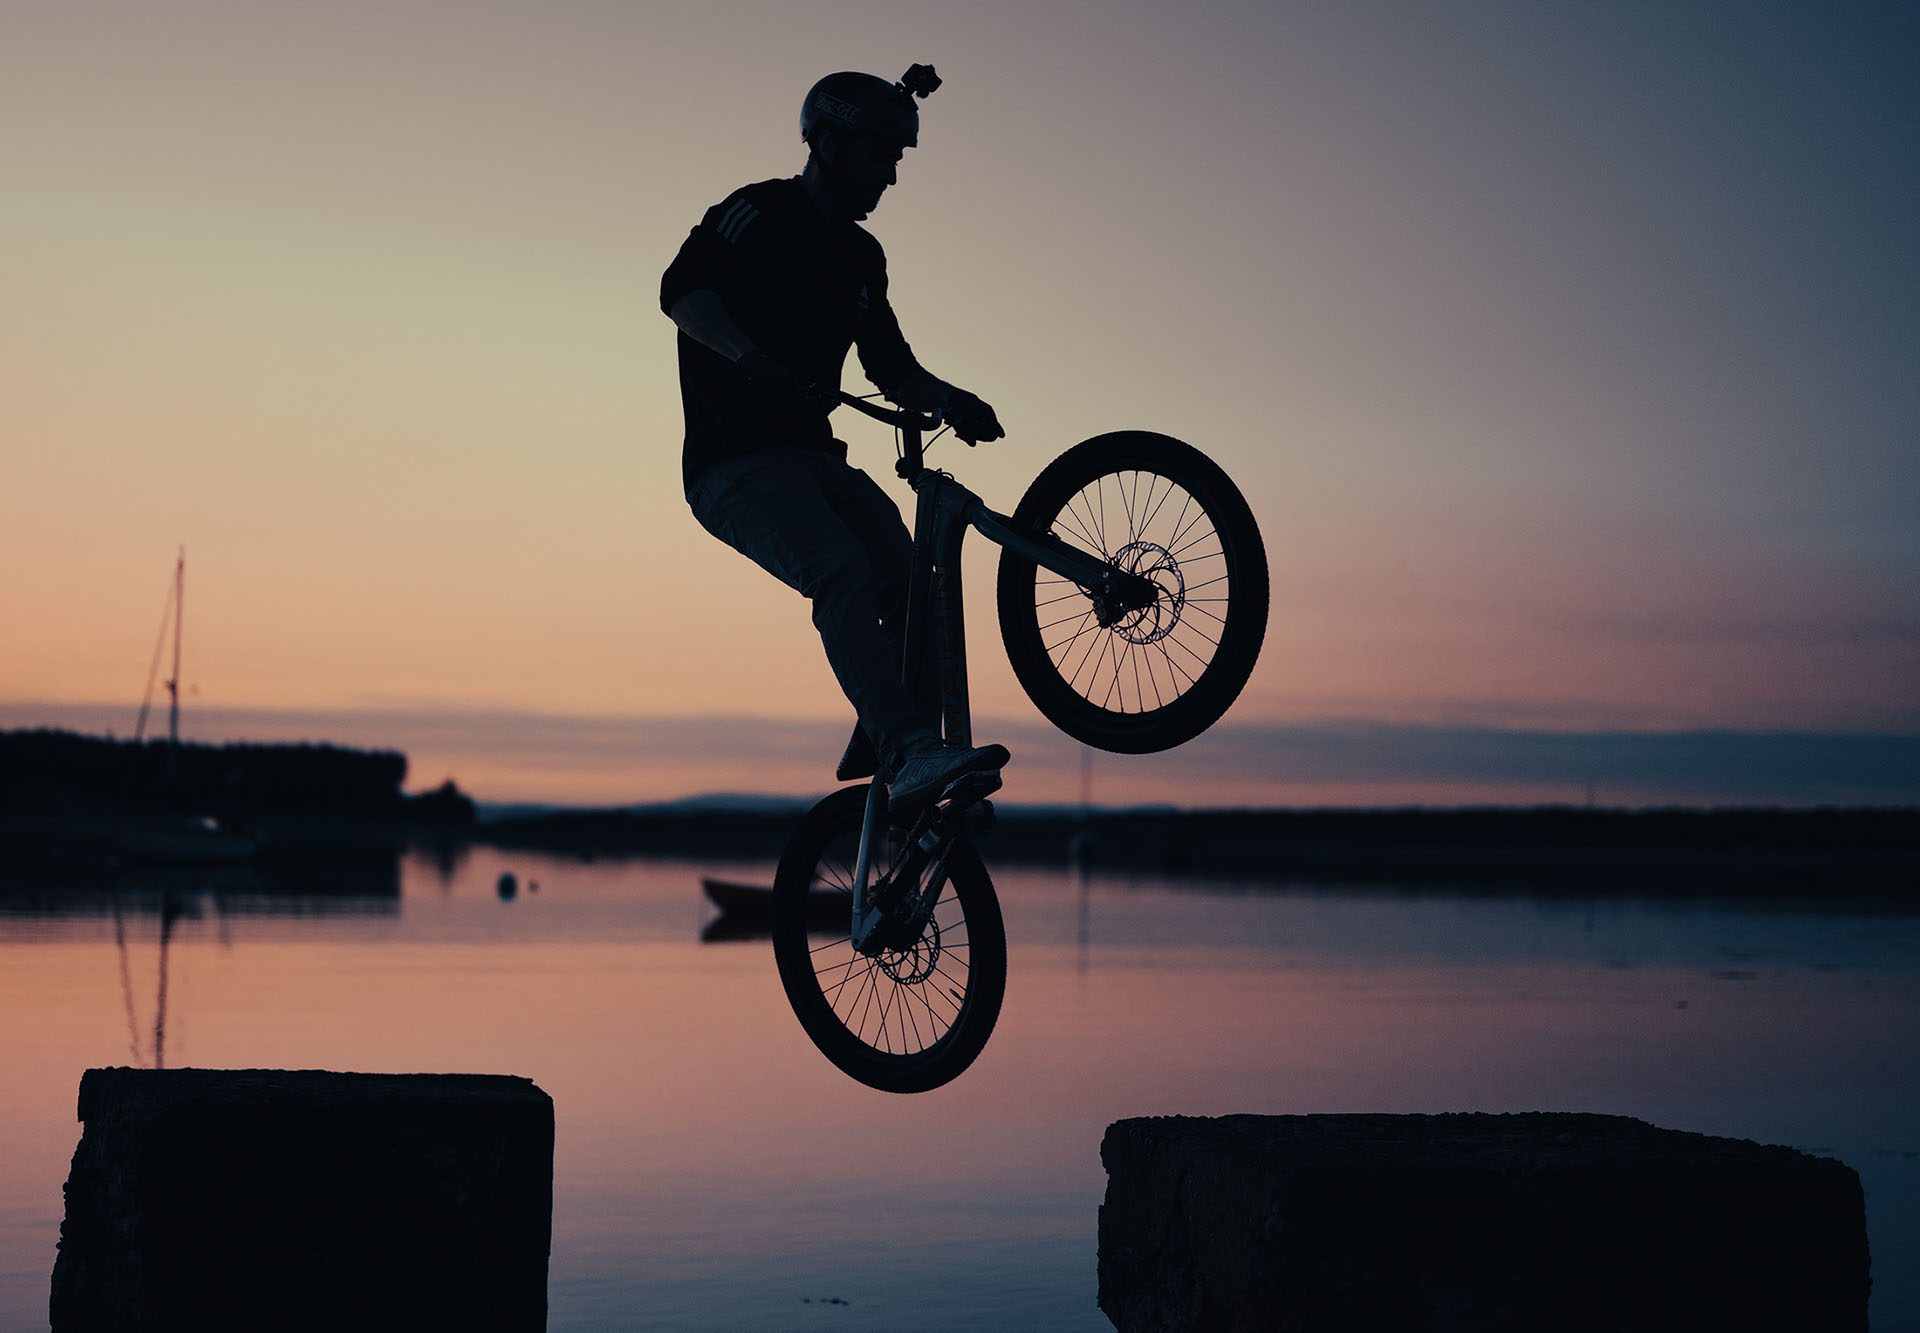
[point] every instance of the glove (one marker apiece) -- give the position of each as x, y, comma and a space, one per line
972, 418
776, 386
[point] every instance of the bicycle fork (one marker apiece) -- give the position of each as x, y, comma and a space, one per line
892, 913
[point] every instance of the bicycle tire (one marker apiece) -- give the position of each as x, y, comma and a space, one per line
1160, 676
885, 1031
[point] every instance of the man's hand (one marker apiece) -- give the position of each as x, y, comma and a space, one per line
775, 385
972, 418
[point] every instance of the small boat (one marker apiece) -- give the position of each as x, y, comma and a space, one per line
189, 842
752, 901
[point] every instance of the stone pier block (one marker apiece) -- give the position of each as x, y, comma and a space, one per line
258, 1199
1490, 1223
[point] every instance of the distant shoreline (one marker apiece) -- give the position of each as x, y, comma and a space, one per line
1836, 854
82, 807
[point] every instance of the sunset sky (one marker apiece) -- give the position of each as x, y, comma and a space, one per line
1569, 356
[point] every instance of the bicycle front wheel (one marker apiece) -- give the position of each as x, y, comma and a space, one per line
905, 1019
1158, 675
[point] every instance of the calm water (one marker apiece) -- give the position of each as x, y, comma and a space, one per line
713, 1172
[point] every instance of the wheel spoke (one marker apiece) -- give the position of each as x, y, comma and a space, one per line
1087, 539
1171, 488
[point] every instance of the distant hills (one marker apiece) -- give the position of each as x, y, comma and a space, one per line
87, 804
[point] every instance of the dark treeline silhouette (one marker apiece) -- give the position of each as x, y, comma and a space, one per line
44, 771
285, 818
1837, 854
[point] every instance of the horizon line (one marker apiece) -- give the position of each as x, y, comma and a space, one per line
524, 757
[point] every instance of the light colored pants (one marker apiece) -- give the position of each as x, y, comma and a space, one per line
828, 532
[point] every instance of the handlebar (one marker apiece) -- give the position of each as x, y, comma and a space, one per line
899, 418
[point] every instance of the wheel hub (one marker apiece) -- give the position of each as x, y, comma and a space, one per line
913, 964
1155, 620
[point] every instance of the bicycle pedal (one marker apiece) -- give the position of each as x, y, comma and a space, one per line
970, 788
982, 816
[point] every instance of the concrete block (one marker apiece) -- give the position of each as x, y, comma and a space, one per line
1490, 1223
256, 1199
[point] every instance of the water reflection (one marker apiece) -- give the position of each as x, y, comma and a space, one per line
713, 1171
745, 911
168, 915
155, 900
298, 889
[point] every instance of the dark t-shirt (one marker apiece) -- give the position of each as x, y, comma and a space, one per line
805, 290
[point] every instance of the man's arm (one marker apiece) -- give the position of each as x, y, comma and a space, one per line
971, 417
890, 363
703, 317
922, 391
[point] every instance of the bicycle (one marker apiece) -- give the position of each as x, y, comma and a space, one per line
1132, 599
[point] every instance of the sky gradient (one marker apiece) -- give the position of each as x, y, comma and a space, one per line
1565, 353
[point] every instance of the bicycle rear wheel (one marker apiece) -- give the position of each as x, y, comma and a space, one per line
1157, 675
905, 1019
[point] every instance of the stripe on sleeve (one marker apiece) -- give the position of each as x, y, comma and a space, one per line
735, 220
726, 219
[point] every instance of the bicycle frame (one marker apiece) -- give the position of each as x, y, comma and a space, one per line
936, 617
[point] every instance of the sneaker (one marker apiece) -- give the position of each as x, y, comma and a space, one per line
930, 767
861, 760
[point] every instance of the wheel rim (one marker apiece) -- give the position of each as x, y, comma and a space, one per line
1149, 657
899, 1002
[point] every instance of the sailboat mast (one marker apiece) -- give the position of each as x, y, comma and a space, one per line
179, 611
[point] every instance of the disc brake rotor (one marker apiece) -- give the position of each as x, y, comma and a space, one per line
914, 964
1157, 619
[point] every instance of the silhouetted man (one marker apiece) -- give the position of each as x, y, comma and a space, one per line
769, 291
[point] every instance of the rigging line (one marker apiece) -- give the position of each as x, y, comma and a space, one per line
160, 1004
153, 669
126, 986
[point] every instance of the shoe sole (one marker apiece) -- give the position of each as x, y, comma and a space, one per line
990, 760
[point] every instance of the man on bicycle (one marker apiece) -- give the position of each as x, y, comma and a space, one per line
770, 291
